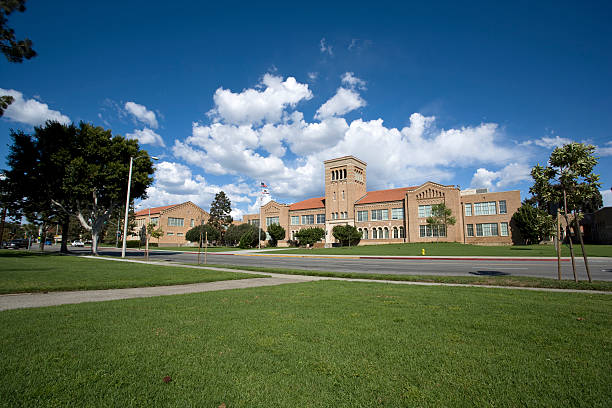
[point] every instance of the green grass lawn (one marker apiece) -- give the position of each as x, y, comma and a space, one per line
455, 249
177, 248
318, 344
22, 271
515, 281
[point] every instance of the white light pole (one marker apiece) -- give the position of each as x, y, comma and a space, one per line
127, 203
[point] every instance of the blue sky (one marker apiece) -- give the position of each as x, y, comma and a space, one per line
469, 94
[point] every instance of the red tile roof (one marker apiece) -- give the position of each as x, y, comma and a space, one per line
318, 202
381, 196
154, 210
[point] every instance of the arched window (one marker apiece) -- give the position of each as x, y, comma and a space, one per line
380, 233
344, 173
386, 233
333, 176
402, 234
374, 233
365, 233
395, 234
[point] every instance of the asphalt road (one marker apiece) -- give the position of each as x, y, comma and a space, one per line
601, 268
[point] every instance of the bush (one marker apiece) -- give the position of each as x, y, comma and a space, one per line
234, 234
309, 236
246, 241
346, 234
132, 243
276, 234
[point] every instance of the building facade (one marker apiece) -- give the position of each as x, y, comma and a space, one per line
175, 220
395, 215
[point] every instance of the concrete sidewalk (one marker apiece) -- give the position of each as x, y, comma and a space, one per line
28, 300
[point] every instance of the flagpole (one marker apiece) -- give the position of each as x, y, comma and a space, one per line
259, 229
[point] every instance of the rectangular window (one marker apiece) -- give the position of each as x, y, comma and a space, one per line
154, 220
255, 223
362, 215
503, 229
308, 219
468, 210
295, 220
486, 230
470, 230
320, 218
179, 234
192, 223
379, 215
424, 211
176, 222
486, 208
271, 220
432, 231
170, 234
397, 213
343, 215
502, 207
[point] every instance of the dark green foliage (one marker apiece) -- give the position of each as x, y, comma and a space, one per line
133, 243
534, 224
309, 236
247, 240
348, 235
193, 235
220, 210
276, 233
234, 234
5, 101
14, 50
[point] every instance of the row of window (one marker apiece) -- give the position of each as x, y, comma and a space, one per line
338, 174
178, 234
382, 233
343, 215
335, 195
381, 215
486, 208
432, 231
488, 230
308, 219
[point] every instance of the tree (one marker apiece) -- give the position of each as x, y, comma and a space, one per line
346, 234
441, 217
569, 181
193, 235
220, 210
155, 231
534, 224
235, 232
14, 50
309, 236
276, 233
64, 170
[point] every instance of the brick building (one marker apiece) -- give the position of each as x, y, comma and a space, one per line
395, 215
175, 220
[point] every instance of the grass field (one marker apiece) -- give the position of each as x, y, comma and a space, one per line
515, 281
319, 344
190, 249
22, 271
456, 249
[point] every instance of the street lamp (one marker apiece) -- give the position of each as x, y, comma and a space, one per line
127, 202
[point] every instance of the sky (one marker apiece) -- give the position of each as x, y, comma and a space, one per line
471, 94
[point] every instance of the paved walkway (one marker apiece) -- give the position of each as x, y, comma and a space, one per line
28, 300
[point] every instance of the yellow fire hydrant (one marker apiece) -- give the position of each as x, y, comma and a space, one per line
423, 251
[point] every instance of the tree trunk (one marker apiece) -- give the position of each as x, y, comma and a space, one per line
584, 255
2, 225
569, 236
43, 237
558, 246
65, 227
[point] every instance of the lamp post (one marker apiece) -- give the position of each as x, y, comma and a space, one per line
127, 202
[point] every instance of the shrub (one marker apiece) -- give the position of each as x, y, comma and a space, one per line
276, 234
309, 236
346, 234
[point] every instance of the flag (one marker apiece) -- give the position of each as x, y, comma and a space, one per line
263, 185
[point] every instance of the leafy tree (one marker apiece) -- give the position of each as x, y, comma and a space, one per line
193, 235
534, 224
276, 233
235, 232
14, 50
569, 181
220, 210
441, 216
247, 240
155, 231
309, 236
62, 170
346, 234
5, 101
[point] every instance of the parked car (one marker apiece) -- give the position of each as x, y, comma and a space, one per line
77, 243
17, 243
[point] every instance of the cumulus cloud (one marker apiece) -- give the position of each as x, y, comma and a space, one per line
142, 114
253, 106
324, 47
30, 111
146, 136
607, 197
548, 142
344, 101
349, 79
509, 175
605, 151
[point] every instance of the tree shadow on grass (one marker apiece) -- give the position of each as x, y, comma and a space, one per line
489, 273
10, 253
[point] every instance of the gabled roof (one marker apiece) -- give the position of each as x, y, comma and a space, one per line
318, 202
381, 196
154, 210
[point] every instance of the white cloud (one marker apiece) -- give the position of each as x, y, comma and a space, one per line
344, 101
604, 151
325, 48
509, 175
607, 197
30, 111
548, 142
146, 136
142, 114
252, 106
313, 76
348, 78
